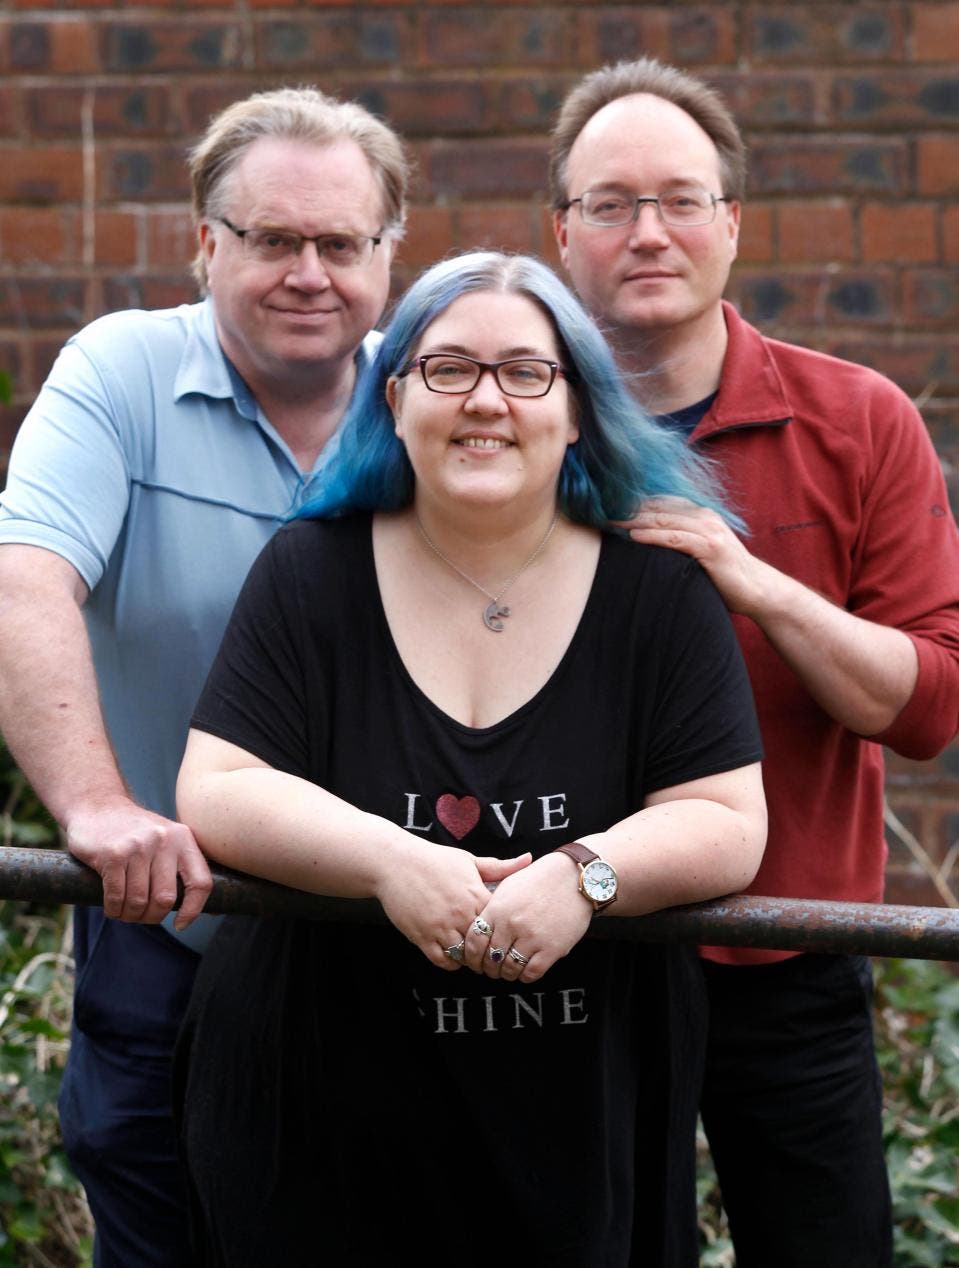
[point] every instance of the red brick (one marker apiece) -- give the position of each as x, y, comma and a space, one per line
815, 233
765, 99
950, 235
931, 297
937, 165
810, 167
430, 108
141, 173
429, 236
340, 40
115, 238
41, 174
756, 245
170, 237
823, 33
696, 36
9, 110
935, 32
145, 110
903, 232
483, 169
38, 235
534, 38
148, 292
62, 46
896, 98
177, 45
43, 303
499, 228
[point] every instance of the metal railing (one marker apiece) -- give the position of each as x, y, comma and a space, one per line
788, 924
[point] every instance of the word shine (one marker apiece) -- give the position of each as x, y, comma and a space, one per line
486, 1014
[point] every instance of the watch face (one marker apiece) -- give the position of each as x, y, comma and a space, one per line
599, 881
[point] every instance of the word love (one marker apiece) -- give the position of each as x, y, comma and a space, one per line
460, 815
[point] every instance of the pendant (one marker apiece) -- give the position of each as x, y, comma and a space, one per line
491, 615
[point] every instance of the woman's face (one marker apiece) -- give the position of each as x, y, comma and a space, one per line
484, 446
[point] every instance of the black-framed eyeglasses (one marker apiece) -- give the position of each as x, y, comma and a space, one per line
682, 208
278, 246
516, 376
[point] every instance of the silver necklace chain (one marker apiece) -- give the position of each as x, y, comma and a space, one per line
494, 609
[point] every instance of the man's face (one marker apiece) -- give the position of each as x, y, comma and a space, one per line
646, 275
284, 321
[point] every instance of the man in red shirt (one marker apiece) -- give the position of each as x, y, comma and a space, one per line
845, 597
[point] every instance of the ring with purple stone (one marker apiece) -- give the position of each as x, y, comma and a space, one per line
497, 955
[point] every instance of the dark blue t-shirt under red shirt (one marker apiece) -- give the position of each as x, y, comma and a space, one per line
346, 1101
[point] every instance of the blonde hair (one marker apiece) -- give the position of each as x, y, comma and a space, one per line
647, 75
295, 114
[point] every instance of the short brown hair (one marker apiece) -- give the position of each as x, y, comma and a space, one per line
295, 114
647, 75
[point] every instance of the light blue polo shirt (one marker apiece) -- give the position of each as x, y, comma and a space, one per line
146, 462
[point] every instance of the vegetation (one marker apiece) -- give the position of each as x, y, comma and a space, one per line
43, 1217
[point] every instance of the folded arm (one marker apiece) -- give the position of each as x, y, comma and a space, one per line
266, 822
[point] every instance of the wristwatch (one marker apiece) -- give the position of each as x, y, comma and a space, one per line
597, 878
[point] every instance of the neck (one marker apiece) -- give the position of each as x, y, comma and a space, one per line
488, 545
674, 366
306, 413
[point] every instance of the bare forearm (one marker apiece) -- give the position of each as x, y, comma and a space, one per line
286, 829
49, 703
680, 852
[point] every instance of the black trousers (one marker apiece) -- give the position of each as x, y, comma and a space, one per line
792, 1105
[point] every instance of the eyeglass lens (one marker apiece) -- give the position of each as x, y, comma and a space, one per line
520, 377
689, 206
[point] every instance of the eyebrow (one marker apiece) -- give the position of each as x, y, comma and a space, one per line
506, 354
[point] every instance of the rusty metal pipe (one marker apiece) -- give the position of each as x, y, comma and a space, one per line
788, 924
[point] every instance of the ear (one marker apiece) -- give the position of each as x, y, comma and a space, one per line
394, 392
734, 210
207, 240
560, 219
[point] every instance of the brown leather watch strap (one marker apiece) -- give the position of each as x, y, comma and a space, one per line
576, 850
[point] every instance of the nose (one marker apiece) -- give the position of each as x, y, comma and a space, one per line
487, 397
307, 270
648, 230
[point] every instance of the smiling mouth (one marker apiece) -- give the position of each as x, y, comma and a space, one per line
483, 442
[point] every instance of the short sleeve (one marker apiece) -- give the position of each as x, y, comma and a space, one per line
68, 488
255, 694
704, 717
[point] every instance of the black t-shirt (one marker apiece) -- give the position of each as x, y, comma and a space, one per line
527, 1114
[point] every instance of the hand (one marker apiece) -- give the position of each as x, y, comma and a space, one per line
540, 912
433, 895
701, 533
139, 856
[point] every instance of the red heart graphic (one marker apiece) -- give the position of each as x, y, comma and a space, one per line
458, 815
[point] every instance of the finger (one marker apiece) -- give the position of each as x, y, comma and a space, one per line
514, 964
197, 886
476, 944
114, 879
495, 958
137, 894
491, 869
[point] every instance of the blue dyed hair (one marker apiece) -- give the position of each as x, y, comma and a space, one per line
620, 457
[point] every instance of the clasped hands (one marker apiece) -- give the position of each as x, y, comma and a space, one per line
441, 901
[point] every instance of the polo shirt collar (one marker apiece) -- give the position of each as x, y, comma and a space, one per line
751, 390
203, 367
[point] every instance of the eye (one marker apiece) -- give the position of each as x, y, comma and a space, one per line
525, 373
339, 248
607, 205
273, 244
684, 200
448, 369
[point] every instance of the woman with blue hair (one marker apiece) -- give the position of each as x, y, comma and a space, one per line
446, 686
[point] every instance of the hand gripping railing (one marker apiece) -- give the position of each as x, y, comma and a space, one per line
788, 924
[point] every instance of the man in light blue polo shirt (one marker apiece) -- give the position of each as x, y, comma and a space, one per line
162, 452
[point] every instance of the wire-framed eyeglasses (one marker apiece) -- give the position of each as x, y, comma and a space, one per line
683, 208
278, 246
516, 376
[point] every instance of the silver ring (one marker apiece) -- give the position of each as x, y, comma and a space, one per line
497, 955
483, 927
456, 952
518, 957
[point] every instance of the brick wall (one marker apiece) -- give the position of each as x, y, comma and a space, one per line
851, 111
